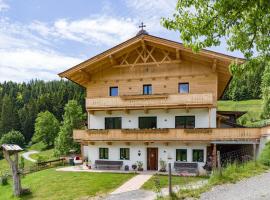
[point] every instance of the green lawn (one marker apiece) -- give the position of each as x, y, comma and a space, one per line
163, 180
52, 185
253, 108
45, 155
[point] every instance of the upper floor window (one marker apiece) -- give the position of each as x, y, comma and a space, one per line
113, 122
185, 122
113, 91
183, 88
147, 122
147, 89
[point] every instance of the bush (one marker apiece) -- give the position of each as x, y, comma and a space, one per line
13, 137
4, 179
265, 155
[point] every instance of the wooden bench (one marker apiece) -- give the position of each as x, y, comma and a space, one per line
186, 167
108, 164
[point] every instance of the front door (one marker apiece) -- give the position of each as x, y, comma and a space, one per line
152, 158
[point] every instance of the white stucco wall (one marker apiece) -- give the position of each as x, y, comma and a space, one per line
163, 152
164, 120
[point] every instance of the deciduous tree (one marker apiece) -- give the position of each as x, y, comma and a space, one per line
244, 24
73, 119
46, 128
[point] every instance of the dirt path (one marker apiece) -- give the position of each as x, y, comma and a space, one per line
255, 188
26, 155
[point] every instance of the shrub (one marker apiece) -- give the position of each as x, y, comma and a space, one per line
13, 137
264, 157
4, 179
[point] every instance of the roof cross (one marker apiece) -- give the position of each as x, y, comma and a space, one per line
142, 26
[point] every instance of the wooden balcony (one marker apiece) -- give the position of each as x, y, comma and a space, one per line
216, 134
150, 101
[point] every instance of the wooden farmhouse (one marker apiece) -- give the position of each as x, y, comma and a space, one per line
151, 99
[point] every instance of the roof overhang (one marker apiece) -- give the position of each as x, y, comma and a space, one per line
84, 70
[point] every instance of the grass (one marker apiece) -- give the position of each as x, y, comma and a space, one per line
253, 107
44, 155
231, 174
52, 185
163, 180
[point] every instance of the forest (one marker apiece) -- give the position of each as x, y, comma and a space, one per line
21, 103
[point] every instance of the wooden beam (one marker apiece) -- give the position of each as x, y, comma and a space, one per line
209, 117
92, 112
109, 112
214, 66
143, 44
128, 143
178, 54
127, 111
145, 111
112, 60
86, 74
147, 63
109, 143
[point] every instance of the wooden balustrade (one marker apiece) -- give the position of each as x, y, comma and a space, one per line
142, 101
215, 134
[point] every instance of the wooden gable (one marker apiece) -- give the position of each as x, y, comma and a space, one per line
147, 50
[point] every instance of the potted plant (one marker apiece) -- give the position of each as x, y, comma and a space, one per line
134, 167
163, 165
140, 165
126, 168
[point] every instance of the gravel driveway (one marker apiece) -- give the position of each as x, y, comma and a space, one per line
255, 188
26, 155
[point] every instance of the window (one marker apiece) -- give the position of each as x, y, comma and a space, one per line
181, 155
124, 153
183, 88
147, 122
185, 122
113, 122
147, 89
103, 153
197, 155
113, 91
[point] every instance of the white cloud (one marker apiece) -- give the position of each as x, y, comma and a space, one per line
97, 30
25, 64
25, 56
151, 12
3, 6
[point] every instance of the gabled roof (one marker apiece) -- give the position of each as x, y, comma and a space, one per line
220, 61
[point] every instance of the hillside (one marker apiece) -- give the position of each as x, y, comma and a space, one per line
253, 108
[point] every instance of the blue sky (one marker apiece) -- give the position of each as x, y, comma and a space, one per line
40, 38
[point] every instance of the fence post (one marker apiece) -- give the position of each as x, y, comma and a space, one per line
170, 180
214, 155
254, 152
219, 163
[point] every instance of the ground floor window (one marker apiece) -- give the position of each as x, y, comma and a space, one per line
103, 153
124, 153
181, 155
185, 122
197, 155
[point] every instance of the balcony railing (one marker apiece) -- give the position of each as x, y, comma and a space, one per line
215, 134
138, 101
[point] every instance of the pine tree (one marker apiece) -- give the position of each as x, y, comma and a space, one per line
7, 116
